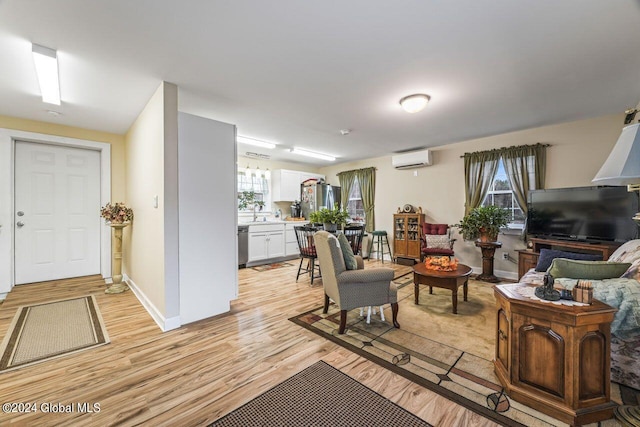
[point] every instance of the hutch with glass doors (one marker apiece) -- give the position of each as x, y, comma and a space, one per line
407, 234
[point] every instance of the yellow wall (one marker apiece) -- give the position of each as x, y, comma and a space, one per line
118, 166
577, 151
144, 240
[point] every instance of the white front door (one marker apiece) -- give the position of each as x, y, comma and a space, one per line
57, 212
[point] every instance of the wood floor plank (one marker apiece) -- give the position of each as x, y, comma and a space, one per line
193, 375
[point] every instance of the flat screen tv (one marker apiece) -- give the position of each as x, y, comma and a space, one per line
583, 213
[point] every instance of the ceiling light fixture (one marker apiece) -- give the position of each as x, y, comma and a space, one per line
255, 142
46, 61
414, 103
313, 154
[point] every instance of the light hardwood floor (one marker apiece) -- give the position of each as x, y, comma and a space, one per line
195, 374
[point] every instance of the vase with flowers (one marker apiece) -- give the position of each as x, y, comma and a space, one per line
117, 216
117, 213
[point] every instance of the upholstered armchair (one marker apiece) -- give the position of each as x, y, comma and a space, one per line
351, 289
436, 240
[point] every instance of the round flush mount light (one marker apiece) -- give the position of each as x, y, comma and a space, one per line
414, 103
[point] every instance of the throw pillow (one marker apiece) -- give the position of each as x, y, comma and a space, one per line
437, 241
347, 253
629, 252
591, 270
548, 255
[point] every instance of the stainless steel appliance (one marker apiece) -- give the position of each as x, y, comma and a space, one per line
243, 245
317, 196
295, 209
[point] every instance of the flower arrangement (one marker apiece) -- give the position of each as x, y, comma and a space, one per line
116, 213
441, 263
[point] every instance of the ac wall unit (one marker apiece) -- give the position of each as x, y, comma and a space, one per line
412, 160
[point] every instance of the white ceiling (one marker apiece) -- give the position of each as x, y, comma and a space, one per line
296, 72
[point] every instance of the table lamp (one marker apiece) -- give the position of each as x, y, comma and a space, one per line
622, 167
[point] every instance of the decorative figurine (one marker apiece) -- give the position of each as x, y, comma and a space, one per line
546, 291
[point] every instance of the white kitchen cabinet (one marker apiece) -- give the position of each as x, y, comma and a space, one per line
290, 240
266, 242
285, 184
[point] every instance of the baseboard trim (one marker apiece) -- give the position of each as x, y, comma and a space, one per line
165, 324
3, 296
502, 274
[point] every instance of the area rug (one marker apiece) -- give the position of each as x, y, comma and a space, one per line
269, 267
450, 354
320, 395
45, 331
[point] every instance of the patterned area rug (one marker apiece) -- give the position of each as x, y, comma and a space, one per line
45, 331
320, 396
447, 353
269, 267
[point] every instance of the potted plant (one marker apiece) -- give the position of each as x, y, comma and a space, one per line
483, 223
247, 199
331, 218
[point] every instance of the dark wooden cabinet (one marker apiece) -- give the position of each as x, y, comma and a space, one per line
407, 234
527, 259
554, 358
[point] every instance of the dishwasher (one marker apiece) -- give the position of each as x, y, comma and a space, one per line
243, 245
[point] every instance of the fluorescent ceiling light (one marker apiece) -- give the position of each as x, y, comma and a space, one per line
307, 153
256, 142
414, 103
46, 61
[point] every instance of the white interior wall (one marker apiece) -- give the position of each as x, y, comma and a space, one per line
208, 228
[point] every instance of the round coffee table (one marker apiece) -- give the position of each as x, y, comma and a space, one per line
442, 279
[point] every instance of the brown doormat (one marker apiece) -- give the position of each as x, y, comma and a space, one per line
269, 267
45, 331
450, 354
320, 395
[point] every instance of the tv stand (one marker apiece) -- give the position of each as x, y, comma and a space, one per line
528, 258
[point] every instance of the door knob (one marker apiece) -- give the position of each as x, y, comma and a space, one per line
20, 213
20, 224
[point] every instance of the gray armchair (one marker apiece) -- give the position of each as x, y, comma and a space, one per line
351, 289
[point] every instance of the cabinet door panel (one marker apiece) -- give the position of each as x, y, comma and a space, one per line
257, 246
542, 359
593, 353
276, 244
502, 339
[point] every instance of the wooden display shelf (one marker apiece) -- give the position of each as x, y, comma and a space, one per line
407, 236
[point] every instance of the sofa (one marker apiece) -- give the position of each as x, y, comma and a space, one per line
622, 293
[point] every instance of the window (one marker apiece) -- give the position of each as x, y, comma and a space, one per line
355, 207
255, 180
500, 194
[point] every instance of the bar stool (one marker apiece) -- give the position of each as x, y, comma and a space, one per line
379, 239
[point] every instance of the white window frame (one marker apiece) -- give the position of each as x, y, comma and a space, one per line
256, 187
355, 187
514, 203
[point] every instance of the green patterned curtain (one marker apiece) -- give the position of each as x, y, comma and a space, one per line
479, 170
525, 167
347, 179
367, 180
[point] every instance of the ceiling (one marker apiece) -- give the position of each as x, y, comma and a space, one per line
297, 72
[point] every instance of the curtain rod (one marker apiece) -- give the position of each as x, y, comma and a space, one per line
355, 170
508, 148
